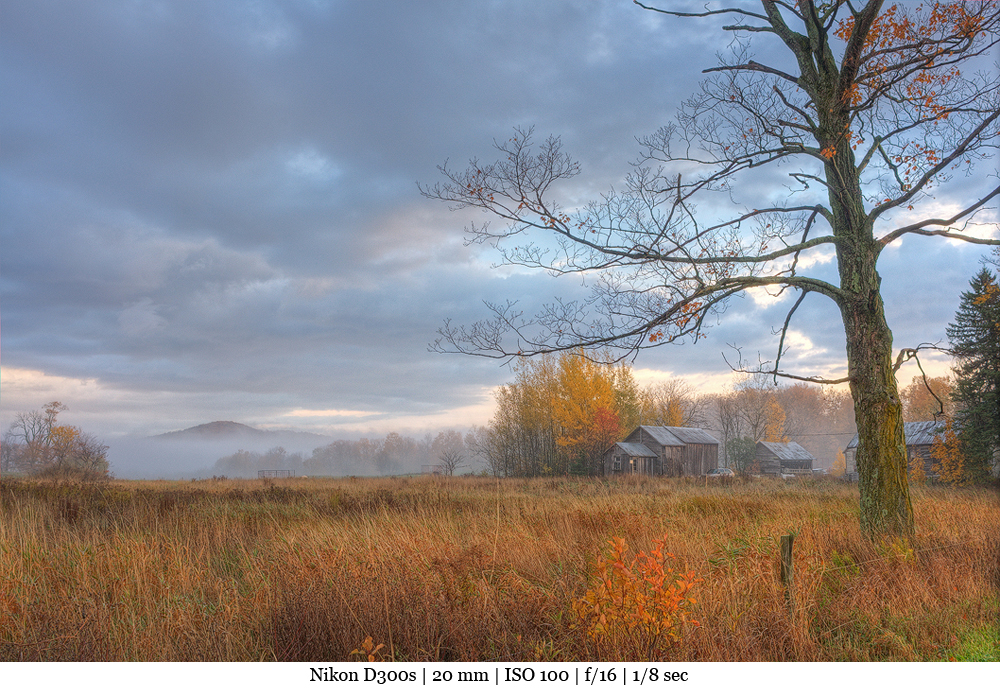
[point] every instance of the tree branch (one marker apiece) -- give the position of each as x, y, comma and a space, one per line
919, 227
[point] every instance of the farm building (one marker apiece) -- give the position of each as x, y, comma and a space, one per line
776, 458
919, 436
631, 457
663, 451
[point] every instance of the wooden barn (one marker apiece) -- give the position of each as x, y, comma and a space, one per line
663, 451
777, 458
919, 436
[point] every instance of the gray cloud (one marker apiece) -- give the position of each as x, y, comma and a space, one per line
210, 210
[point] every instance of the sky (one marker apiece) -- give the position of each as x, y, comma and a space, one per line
210, 211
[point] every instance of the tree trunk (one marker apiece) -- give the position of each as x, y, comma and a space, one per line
881, 454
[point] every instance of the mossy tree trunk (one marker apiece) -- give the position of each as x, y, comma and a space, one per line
881, 453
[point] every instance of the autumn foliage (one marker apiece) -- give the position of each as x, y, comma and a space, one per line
559, 415
637, 605
949, 461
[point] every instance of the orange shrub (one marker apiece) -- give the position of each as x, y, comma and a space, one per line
637, 608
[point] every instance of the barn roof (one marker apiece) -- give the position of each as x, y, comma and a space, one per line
916, 433
634, 449
678, 437
788, 451
693, 436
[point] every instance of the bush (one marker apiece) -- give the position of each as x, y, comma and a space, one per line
637, 607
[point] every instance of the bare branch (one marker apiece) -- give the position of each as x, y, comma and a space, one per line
774, 372
706, 13
919, 228
753, 66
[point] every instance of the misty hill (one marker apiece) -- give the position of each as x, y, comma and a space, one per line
194, 452
227, 430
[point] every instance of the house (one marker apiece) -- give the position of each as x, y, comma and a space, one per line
663, 451
919, 436
776, 458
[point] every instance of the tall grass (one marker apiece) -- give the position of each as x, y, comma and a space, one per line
478, 569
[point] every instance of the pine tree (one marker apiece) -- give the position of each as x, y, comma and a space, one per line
975, 338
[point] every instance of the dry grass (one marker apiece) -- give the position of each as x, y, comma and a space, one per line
474, 569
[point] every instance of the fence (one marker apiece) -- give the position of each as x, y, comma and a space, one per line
276, 473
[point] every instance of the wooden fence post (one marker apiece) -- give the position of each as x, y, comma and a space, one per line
787, 572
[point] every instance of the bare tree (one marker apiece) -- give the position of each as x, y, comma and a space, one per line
451, 461
485, 443
673, 402
868, 114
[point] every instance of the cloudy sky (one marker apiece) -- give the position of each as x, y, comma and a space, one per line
210, 211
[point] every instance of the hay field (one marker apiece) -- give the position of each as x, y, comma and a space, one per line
476, 569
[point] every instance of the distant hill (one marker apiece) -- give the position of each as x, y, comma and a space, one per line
219, 428
226, 429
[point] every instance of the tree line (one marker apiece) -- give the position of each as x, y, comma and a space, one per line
445, 453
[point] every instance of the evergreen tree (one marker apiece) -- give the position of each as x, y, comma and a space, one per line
975, 338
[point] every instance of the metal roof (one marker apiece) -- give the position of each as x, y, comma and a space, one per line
678, 437
634, 449
918, 433
693, 436
788, 451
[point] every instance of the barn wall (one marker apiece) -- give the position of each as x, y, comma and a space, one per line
768, 462
700, 458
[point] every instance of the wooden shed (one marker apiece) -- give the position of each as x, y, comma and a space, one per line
630, 457
668, 451
777, 458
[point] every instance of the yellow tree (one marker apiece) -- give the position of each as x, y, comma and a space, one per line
865, 109
949, 461
839, 467
629, 398
774, 428
63, 440
523, 429
585, 409
917, 470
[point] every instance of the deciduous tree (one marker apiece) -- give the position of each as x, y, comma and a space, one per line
39, 446
559, 414
868, 112
673, 403
839, 467
949, 461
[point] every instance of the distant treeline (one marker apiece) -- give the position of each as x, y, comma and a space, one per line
393, 454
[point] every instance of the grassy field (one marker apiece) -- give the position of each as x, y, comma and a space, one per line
472, 569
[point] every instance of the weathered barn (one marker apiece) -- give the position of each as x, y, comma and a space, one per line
919, 436
776, 458
663, 451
